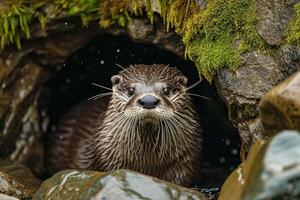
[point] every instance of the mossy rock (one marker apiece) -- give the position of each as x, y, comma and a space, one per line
214, 36
119, 184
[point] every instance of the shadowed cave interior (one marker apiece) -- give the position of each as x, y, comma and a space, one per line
95, 63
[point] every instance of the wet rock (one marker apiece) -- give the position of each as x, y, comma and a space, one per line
235, 183
289, 59
280, 107
120, 184
273, 17
242, 90
6, 197
271, 171
279, 175
22, 75
17, 181
141, 30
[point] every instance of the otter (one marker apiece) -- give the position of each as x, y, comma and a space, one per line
148, 125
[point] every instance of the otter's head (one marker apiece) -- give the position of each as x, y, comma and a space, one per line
151, 100
150, 92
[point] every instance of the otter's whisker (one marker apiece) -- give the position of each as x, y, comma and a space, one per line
133, 75
98, 96
198, 95
101, 86
193, 85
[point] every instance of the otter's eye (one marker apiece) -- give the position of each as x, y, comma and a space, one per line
130, 91
166, 91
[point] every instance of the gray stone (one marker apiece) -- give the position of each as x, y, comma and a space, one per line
141, 30
280, 107
273, 18
242, 90
6, 197
288, 58
120, 184
278, 176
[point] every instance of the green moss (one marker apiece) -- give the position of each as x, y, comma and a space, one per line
216, 37
87, 9
15, 18
293, 30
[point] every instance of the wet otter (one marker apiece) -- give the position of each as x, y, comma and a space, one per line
149, 126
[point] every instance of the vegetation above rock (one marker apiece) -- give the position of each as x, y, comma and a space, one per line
293, 31
214, 36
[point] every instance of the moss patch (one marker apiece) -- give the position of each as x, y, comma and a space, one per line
15, 17
214, 38
293, 30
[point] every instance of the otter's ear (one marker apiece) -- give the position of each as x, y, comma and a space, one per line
116, 79
182, 80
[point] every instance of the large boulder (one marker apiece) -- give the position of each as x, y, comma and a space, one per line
120, 184
280, 107
242, 90
271, 171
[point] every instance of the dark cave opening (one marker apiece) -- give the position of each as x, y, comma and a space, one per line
96, 63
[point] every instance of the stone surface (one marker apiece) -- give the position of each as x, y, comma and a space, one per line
120, 184
271, 171
288, 57
22, 75
280, 107
273, 17
235, 184
17, 180
141, 30
279, 175
242, 90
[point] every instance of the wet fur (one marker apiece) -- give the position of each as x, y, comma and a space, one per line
168, 149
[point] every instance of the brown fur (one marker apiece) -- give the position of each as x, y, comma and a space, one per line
86, 139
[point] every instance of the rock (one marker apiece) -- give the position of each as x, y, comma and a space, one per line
273, 17
6, 197
22, 76
235, 184
17, 180
280, 107
271, 171
242, 90
120, 184
279, 175
288, 58
141, 30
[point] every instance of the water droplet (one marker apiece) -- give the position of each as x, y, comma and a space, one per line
53, 128
118, 50
59, 67
102, 62
43, 113
227, 142
222, 160
66, 23
234, 151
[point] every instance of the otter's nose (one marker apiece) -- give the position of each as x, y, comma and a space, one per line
148, 101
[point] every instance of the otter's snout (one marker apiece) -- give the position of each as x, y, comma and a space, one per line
148, 101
